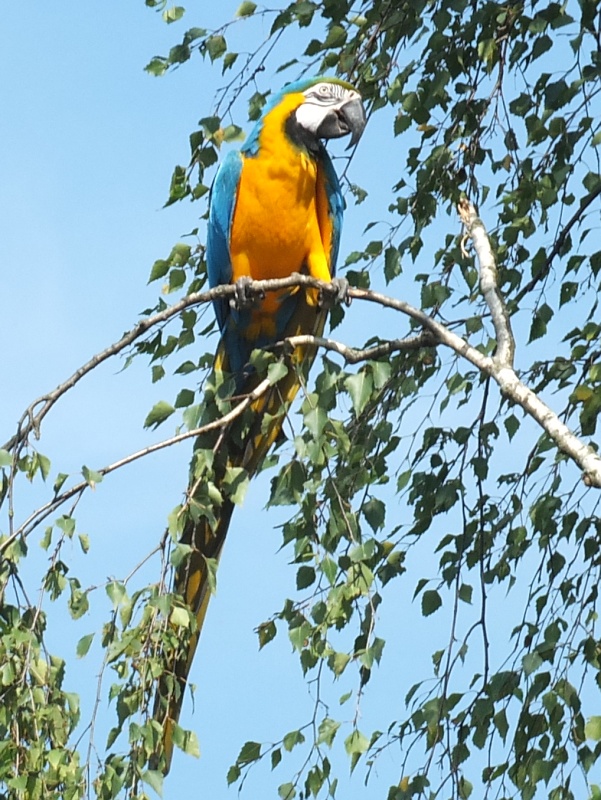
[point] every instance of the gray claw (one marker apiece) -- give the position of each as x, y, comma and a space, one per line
341, 285
243, 298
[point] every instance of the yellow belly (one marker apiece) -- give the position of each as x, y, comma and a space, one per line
275, 229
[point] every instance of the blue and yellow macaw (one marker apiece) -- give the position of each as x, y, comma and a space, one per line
275, 209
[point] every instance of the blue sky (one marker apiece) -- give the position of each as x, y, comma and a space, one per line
90, 141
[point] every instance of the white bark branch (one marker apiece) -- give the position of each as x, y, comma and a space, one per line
353, 355
500, 368
489, 283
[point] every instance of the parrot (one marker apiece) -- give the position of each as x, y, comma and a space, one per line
275, 209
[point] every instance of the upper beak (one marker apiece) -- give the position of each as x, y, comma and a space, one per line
353, 114
342, 120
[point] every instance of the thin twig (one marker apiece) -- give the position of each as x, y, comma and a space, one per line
34, 519
353, 355
559, 242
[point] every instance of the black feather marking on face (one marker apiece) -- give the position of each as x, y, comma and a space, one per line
301, 137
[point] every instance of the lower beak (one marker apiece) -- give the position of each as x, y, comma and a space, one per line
353, 114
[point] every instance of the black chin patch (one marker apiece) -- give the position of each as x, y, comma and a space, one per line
300, 136
332, 127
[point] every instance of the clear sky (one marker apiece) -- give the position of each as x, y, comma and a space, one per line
89, 143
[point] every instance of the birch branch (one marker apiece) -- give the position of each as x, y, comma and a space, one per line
222, 422
489, 285
354, 355
500, 367
31, 420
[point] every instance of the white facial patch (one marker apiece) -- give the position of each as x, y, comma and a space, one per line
320, 99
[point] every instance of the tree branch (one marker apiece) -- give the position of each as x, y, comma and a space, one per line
500, 368
48, 508
33, 416
475, 229
353, 355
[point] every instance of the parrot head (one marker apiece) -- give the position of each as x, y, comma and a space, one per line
313, 109
331, 108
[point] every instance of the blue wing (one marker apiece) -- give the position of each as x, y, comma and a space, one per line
336, 206
221, 212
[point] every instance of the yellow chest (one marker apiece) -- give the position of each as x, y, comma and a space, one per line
275, 225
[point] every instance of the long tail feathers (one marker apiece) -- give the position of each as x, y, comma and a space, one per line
191, 580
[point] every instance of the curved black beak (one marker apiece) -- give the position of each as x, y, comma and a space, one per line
353, 114
347, 118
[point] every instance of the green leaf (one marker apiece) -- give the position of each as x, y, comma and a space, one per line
286, 791
291, 739
512, 425
172, 15
235, 483
337, 662
501, 724
211, 565
330, 569
154, 779
327, 731
592, 729
305, 577
359, 387
158, 414
179, 617
216, 46
178, 187
355, 745
233, 774
246, 8
116, 591
91, 477
67, 525
465, 788
336, 36
44, 465
465, 593
83, 645
5, 458
315, 419
276, 371
431, 602
531, 662
184, 398
157, 66
229, 60
58, 483
187, 741
374, 511
251, 751
392, 264
46, 539
266, 632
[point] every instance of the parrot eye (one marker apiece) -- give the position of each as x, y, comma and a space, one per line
326, 93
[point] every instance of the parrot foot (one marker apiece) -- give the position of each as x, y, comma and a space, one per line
243, 297
341, 295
